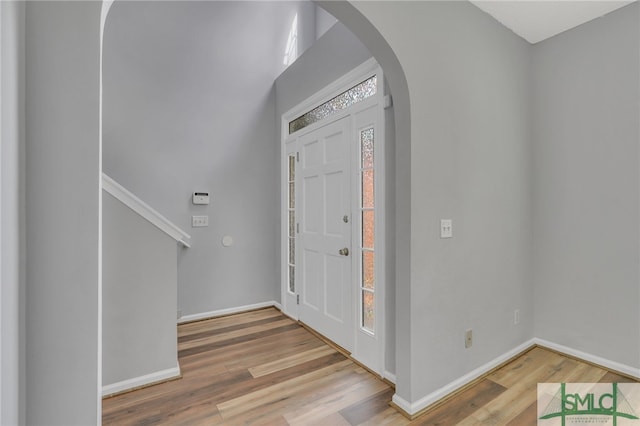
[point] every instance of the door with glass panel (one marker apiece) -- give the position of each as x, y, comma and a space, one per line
332, 221
325, 291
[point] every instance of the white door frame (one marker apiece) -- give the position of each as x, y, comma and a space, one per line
368, 349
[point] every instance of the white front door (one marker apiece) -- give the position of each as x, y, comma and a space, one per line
326, 293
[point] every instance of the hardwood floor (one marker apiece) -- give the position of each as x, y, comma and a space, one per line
263, 368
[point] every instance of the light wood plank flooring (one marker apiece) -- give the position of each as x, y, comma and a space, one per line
263, 368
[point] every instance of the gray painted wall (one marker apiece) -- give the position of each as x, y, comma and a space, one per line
324, 21
62, 211
469, 161
586, 98
334, 54
463, 61
139, 295
189, 106
12, 211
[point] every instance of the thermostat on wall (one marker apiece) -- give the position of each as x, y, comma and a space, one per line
200, 198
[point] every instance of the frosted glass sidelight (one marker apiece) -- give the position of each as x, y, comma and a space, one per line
292, 195
292, 251
368, 311
292, 168
366, 144
367, 269
367, 189
292, 226
367, 206
292, 223
356, 94
367, 228
292, 280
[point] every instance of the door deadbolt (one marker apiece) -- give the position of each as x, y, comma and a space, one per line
345, 218
344, 251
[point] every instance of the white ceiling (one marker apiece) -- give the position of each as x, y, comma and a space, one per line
537, 20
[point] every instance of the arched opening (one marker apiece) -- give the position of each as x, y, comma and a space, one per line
364, 30
357, 23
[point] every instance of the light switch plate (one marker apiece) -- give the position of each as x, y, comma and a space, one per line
199, 221
446, 228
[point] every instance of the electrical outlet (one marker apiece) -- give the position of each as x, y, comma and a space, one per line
199, 221
516, 316
468, 338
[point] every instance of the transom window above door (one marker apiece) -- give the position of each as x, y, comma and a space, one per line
356, 94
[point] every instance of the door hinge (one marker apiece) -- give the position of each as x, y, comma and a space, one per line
298, 228
388, 101
298, 157
297, 299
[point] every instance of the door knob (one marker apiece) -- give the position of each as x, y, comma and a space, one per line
344, 251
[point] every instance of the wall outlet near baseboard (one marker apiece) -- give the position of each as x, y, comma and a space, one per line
516, 317
468, 338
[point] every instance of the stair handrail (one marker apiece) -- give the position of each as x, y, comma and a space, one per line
143, 209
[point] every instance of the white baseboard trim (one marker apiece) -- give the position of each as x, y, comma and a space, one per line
228, 311
136, 382
402, 404
424, 402
611, 365
387, 375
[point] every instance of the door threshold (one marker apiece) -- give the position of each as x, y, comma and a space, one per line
345, 352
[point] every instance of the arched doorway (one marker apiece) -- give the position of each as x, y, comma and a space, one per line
353, 19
